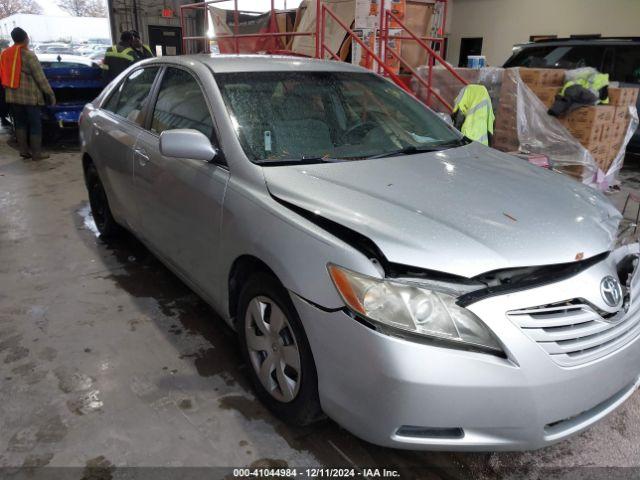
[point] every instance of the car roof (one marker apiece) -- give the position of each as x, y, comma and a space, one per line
261, 63
558, 42
62, 57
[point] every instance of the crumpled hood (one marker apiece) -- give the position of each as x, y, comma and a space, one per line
463, 211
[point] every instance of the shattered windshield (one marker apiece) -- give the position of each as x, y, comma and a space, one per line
328, 116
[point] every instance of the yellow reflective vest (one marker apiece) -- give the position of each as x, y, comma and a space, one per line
593, 82
117, 59
474, 103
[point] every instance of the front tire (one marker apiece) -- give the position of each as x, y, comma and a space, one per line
277, 351
102, 216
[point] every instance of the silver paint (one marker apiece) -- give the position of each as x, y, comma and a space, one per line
464, 211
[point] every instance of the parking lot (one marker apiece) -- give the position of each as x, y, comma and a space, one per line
108, 359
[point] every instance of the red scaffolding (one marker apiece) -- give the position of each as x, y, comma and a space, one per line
433, 46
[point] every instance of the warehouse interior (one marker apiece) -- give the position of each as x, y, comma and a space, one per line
327, 238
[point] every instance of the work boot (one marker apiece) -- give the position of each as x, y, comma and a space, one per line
23, 145
36, 147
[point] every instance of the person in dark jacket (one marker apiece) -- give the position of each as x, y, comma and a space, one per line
119, 57
142, 50
26, 90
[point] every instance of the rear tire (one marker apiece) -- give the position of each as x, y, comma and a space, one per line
102, 216
277, 352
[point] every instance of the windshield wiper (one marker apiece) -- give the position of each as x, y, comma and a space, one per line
411, 149
303, 160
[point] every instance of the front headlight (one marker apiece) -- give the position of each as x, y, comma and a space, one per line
411, 308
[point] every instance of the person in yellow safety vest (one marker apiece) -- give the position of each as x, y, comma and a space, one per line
473, 113
119, 57
585, 86
598, 83
142, 50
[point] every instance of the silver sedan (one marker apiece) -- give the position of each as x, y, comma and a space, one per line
422, 290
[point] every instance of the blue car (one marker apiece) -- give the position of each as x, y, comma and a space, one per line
76, 81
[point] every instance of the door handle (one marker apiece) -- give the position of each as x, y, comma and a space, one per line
143, 158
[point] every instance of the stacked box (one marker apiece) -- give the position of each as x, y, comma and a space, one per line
600, 129
542, 76
545, 83
505, 128
613, 135
546, 94
575, 171
623, 96
594, 128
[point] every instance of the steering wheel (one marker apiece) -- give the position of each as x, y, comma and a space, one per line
362, 128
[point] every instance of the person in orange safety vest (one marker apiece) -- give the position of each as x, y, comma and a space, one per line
26, 91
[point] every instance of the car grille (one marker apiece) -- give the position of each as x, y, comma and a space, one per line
574, 332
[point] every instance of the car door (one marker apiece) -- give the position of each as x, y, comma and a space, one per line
180, 199
117, 125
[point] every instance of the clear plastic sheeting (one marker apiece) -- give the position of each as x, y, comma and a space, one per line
606, 179
448, 87
539, 132
534, 130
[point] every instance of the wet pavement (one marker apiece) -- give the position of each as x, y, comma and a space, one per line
108, 359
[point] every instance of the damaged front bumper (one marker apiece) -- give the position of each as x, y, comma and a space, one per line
405, 394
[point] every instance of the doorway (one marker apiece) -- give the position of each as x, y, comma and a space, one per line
469, 46
167, 40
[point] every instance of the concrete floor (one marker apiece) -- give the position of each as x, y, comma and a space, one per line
106, 358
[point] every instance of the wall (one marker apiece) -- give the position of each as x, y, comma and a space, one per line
122, 15
43, 28
503, 23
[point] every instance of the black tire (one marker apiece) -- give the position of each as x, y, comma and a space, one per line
304, 408
102, 216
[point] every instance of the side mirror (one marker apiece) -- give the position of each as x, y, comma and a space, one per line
187, 143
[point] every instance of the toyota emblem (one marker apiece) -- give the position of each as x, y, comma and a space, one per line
611, 291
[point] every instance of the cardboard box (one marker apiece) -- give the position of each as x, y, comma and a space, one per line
617, 132
564, 121
621, 113
607, 159
605, 137
614, 147
546, 94
596, 148
624, 123
504, 119
575, 171
622, 96
592, 114
587, 133
505, 141
542, 76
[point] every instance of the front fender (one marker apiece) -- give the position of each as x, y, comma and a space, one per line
295, 249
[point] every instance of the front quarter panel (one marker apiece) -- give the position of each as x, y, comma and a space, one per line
294, 248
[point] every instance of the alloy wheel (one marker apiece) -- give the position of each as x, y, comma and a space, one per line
273, 349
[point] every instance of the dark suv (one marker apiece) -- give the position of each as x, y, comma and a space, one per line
619, 57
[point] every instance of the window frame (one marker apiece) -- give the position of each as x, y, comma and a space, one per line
149, 121
116, 92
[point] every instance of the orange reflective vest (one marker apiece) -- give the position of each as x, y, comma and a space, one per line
11, 66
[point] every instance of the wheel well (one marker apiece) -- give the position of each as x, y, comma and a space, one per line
243, 267
86, 161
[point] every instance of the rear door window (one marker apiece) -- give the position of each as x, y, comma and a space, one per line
131, 96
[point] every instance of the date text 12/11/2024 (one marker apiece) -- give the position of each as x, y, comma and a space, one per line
315, 473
